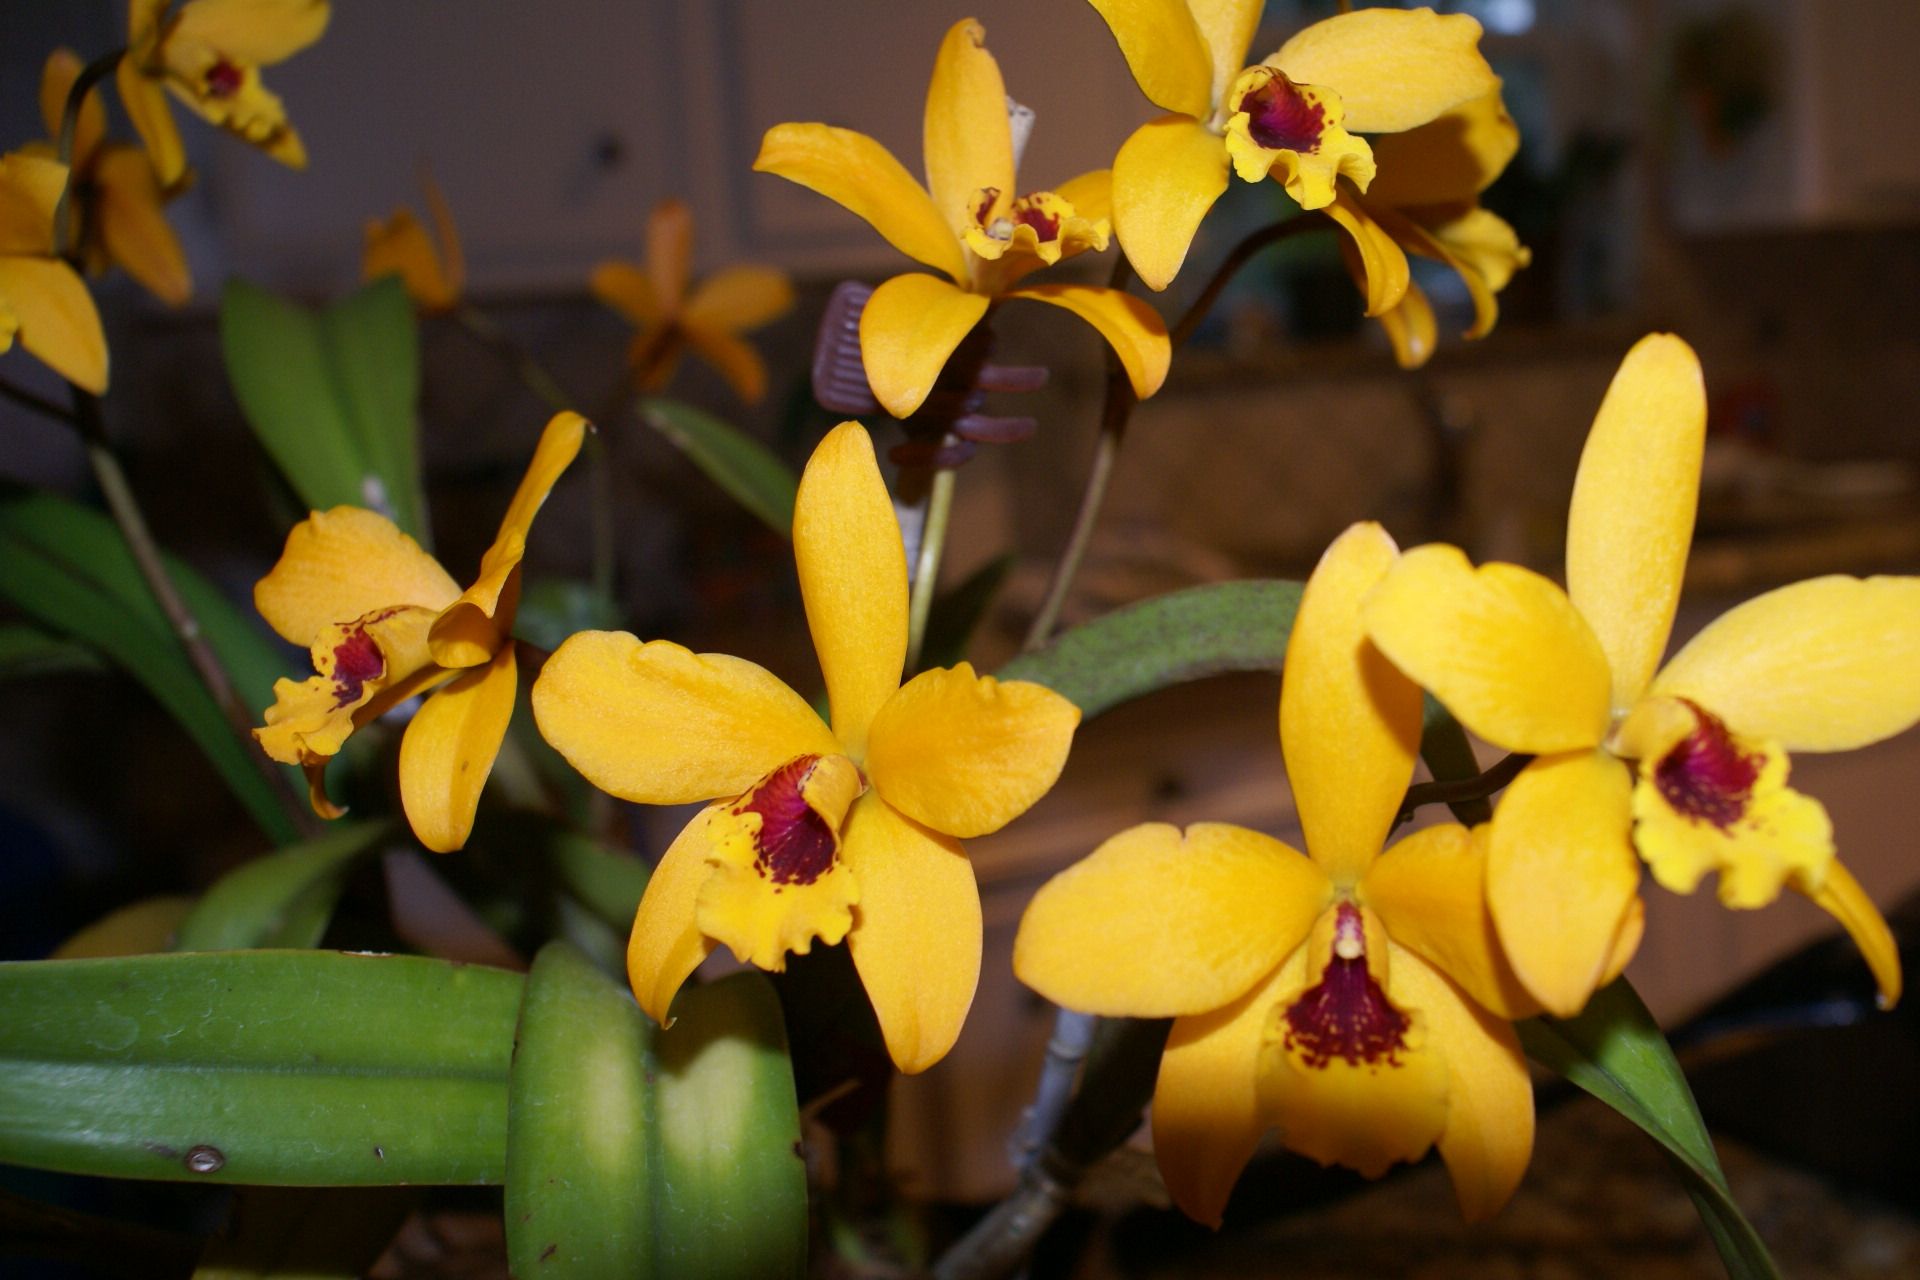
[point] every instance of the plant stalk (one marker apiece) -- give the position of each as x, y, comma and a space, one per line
926, 573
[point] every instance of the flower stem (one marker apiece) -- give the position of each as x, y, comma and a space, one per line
90, 75
926, 573
125, 508
36, 402
1117, 412
1456, 791
186, 627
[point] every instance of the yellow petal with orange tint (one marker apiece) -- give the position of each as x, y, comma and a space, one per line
1827, 664
666, 944
134, 227
739, 298
1165, 178
466, 634
449, 749
55, 319
1841, 897
1410, 325
1166, 52
627, 289
966, 139
399, 247
670, 252
1430, 891
1394, 69
1159, 923
341, 564
861, 176
1488, 1137
1132, 328
916, 933
1562, 875
966, 754
63, 67
911, 324
735, 360
853, 579
1501, 647
146, 102
1372, 254
258, 31
1090, 194
1207, 1119
1451, 159
1634, 500
1349, 722
1226, 27
658, 724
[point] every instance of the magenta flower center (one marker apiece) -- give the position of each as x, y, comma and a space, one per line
1281, 118
1706, 776
794, 844
1045, 226
224, 79
1346, 1015
356, 660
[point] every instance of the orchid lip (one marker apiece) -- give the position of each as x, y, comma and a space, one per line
795, 844
1346, 1015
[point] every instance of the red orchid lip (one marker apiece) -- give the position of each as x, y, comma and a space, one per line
1281, 118
1706, 776
794, 844
1346, 1015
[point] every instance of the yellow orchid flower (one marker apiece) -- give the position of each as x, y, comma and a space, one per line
1684, 763
966, 222
116, 200
851, 832
385, 622
655, 299
399, 246
208, 54
1351, 998
1375, 71
43, 302
1425, 200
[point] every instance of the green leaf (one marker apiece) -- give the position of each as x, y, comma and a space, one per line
284, 899
608, 882
28, 651
580, 1165
66, 567
637, 1152
750, 472
729, 1137
1171, 639
554, 608
288, 1068
331, 394
957, 614
1614, 1050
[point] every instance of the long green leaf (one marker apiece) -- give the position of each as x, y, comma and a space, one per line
65, 566
288, 1068
284, 899
1202, 631
1614, 1051
729, 1137
331, 394
580, 1165
28, 651
751, 473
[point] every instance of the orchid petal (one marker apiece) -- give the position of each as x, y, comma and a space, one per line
1165, 178
1349, 721
449, 749
1160, 923
862, 176
967, 141
658, 724
1633, 508
909, 328
1132, 328
1394, 69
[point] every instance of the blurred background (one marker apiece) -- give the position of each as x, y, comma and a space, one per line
1743, 172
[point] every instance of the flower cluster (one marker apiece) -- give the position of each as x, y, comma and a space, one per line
1358, 997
